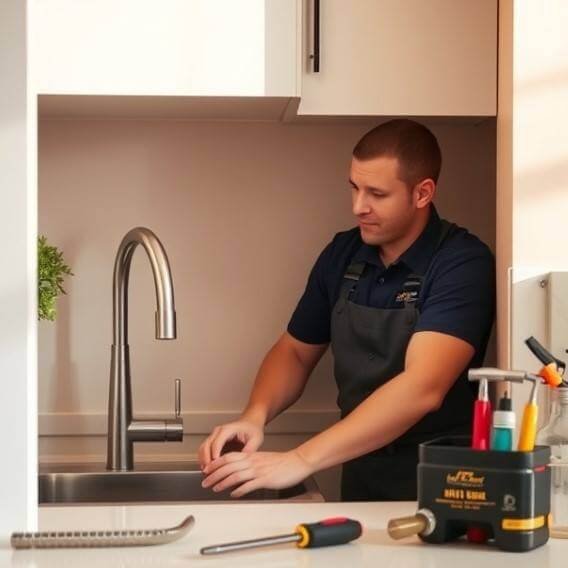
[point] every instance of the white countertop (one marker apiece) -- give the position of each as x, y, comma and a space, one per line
216, 523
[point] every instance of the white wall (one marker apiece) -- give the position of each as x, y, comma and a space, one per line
540, 133
243, 209
533, 166
18, 432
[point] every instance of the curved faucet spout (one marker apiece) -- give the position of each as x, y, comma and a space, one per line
165, 314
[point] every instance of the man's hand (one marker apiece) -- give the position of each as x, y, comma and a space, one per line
246, 432
270, 470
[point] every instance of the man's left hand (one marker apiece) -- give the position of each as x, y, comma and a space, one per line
250, 471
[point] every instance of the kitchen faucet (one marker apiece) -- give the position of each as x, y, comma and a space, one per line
123, 428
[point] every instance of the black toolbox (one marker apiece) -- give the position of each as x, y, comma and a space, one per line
505, 493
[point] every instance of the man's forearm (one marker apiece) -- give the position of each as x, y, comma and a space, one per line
279, 383
381, 418
396, 406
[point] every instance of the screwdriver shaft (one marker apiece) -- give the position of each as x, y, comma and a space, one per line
254, 543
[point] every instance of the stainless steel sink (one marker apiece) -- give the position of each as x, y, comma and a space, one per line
163, 482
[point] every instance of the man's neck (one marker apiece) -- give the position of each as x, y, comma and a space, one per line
391, 251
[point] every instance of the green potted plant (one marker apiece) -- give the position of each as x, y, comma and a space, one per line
51, 271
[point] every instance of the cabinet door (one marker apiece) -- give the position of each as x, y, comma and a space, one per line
401, 57
165, 47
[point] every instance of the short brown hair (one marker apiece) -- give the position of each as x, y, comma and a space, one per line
414, 145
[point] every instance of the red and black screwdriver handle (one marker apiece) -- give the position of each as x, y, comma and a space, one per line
329, 532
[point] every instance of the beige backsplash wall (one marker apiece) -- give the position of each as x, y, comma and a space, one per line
243, 210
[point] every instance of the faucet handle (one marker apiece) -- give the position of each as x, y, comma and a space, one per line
174, 428
177, 397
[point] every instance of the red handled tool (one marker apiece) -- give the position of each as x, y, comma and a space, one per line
480, 440
481, 434
338, 530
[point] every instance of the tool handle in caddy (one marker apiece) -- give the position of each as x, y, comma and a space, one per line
542, 354
553, 369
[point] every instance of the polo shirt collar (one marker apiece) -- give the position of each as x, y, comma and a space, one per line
417, 256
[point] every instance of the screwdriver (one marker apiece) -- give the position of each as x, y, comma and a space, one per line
480, 440
337, 530
527, 434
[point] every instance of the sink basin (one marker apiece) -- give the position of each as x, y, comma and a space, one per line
163, 482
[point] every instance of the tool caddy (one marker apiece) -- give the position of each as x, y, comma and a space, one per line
507, 494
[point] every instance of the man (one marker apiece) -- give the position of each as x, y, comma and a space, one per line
406, 301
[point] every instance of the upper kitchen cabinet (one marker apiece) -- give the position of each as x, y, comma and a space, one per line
400, 57
217, 48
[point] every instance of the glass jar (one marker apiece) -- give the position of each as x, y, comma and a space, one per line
555, 435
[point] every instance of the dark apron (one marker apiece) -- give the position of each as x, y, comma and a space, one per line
369, 347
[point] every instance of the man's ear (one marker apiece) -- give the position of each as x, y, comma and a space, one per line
424, 192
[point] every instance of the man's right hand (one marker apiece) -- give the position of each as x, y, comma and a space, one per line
245, 432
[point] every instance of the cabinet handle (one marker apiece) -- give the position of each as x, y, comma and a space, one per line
316, 54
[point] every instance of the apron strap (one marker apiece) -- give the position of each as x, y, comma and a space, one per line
350, 280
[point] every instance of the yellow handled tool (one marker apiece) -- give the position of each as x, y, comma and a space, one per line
527, 435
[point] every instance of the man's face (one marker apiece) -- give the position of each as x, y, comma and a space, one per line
383, 204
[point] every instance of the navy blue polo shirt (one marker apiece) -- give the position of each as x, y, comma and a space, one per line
458, 289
